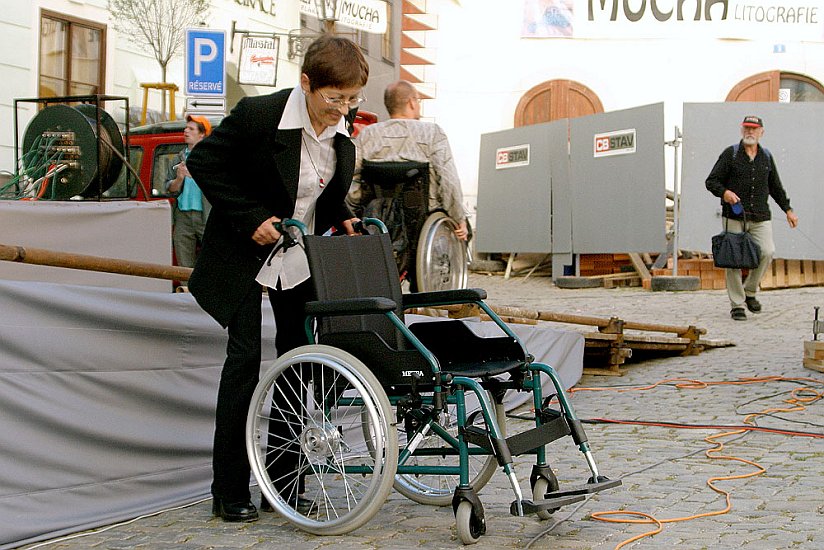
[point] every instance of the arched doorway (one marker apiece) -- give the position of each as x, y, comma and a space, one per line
769, 86
556, 99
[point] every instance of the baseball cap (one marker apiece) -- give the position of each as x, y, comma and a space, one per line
202, 120
753, 122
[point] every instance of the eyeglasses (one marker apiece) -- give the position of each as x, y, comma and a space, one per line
339, 102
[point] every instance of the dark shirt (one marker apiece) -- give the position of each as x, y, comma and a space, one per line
753, 180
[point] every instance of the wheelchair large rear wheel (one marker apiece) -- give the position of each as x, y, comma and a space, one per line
442, 261
331, 401
438, 489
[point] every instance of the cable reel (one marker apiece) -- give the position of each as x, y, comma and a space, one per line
64, 140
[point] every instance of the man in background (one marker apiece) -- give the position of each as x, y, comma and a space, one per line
404, 137
744, 177
192, 208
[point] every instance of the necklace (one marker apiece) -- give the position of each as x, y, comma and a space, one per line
321, 182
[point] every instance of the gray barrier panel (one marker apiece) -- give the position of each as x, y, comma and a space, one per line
515, 191
618, 199
791, 132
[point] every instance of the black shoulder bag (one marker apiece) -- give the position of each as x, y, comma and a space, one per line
735, 250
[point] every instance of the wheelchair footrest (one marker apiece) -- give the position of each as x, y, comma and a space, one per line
533, 507
586, 489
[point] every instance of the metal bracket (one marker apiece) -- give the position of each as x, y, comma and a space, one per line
298, 41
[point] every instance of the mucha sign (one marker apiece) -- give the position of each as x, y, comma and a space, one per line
776, 20
365, 15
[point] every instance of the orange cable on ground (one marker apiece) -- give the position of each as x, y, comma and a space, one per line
800, 397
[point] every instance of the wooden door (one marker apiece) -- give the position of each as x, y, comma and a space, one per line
759, 87
556, 99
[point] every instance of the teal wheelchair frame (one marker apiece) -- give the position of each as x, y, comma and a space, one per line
371, 403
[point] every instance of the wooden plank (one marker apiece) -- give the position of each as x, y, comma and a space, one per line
793, 273
807, 275
639, 265
780, 278
814, 349
616, 371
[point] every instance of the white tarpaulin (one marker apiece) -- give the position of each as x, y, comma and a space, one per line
107, 401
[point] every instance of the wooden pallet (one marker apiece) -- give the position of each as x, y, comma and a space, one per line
614, 343
793, 273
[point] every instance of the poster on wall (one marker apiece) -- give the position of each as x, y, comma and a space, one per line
547, 19
801, 20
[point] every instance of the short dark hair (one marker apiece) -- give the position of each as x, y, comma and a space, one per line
336, 62
396, 95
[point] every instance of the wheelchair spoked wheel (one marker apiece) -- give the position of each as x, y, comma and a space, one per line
325, 401
438, 489
442, 259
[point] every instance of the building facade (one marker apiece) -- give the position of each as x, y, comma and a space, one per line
496, 65
71, 47
482, 65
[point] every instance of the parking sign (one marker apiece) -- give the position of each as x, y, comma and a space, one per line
205, 62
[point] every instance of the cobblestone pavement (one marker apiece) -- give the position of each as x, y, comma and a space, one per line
664, 469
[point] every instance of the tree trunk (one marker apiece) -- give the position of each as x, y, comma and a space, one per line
163, 93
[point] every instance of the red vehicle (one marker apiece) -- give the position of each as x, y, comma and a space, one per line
154, 147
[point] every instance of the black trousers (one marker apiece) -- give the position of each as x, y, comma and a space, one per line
240, 374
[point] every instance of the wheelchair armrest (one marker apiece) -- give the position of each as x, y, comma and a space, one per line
443, 297
351, 306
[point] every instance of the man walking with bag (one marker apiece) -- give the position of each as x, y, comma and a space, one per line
744, 176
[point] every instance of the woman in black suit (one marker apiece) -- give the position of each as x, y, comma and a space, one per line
284, 155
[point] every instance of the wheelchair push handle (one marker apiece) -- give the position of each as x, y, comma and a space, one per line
289, 222
359, 226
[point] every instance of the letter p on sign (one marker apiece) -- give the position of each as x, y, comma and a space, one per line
205, 51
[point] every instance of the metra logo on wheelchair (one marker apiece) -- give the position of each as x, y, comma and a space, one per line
411, 373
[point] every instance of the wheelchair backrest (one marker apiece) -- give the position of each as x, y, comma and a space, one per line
391, 173
401, 200
356, 267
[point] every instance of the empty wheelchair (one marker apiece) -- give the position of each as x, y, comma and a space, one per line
373, 404
427, 251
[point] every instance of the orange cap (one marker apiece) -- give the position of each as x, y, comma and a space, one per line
202, 120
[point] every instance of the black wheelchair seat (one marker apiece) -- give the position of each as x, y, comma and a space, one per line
347, 269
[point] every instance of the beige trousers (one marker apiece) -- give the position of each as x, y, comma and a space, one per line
739, 290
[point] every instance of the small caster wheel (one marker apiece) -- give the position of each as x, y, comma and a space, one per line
470, 527
539, 491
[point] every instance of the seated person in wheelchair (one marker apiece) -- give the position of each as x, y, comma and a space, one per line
404, 137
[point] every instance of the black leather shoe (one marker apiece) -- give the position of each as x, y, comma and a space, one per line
302, 506
738, 314
234, 511
753, 304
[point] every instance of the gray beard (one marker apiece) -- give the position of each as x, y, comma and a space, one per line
750, 140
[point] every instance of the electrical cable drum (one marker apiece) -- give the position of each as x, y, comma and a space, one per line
70, 132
